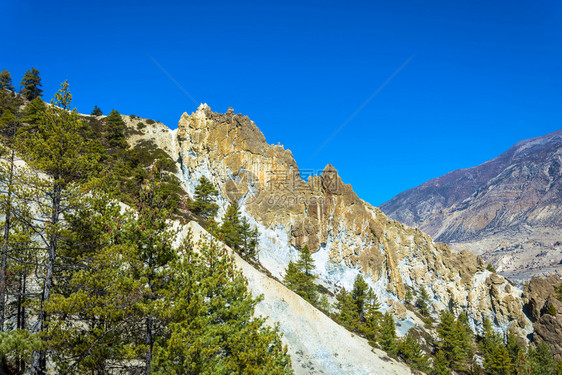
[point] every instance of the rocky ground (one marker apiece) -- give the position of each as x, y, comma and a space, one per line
519, 257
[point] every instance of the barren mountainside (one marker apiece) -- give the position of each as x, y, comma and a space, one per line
519, 191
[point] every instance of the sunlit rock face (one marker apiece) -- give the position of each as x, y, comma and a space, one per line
347, 235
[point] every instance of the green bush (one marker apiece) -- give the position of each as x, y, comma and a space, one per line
490, 268
132, 116
150, 122
141, 125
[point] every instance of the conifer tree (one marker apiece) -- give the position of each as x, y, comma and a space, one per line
347, 313
249, 239
96, 111
305, 262
205, 197
541, 359
153, 243
423, 302
32, 114
299, 277
31, 85
212, 325
446, 331
230, 228
514, 347
6, 80
115, 127
497, 361
388, 333
359, 294
54, 145
408, 296
373, 316
522, 365
440, 364
410, 350
94, 300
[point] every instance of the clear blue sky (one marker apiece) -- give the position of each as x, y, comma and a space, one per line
484, 74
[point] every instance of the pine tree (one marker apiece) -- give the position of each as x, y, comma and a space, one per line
541, 359
96, 111
497, 361
408, 296
522, 365
249, 239
410, 350
153, 243
514, 347
212, 326
230, 228
440, 364
299, 277
6, 80
92, 303
205, 197
345, 306
373, 316
305, 262
55, 146
32, 114
359, 294
115, 127
31, 85
423, 302
388, 333
446, 332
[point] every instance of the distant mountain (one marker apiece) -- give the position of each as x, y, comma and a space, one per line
517, 193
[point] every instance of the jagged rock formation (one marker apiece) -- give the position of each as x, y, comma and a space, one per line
346, 234
316, 343
545, 311
518, 191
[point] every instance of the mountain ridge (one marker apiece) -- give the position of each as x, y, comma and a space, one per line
429, 205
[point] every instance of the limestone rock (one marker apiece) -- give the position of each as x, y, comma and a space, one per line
346, 235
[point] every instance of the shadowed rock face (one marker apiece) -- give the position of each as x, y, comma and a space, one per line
346, 234
519, 191
539, 295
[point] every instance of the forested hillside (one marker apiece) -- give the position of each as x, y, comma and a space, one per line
92, 279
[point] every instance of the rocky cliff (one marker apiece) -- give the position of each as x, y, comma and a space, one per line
545, 310
346, 234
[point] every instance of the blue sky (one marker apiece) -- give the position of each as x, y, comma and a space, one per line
482, 75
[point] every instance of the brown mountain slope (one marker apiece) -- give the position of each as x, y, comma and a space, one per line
519, 191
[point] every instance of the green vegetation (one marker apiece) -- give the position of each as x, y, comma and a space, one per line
115, 128
31, 85
490, 268
237, 233
6, 80
96, 111
299, 277
423, 302
205, 199
114, 293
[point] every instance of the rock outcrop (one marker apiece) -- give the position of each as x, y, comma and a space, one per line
346, 234
545, 311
